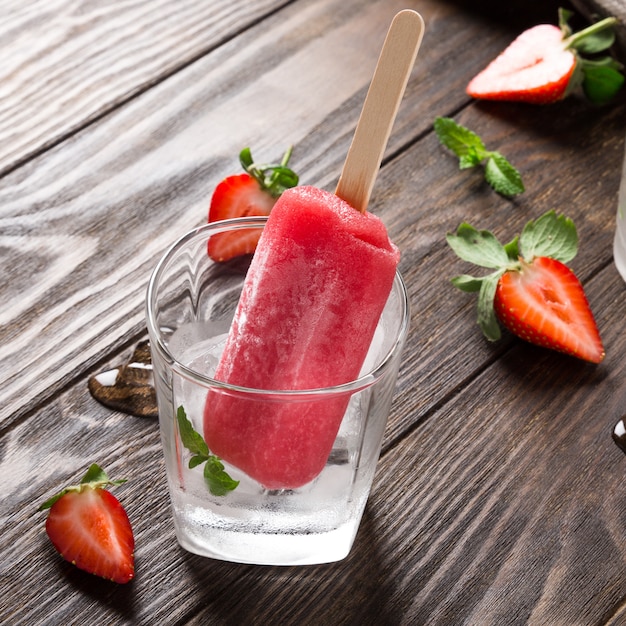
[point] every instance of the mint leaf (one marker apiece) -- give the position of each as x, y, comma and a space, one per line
471, 150
219, 482
550, 235
191, 439
471, 159
478, 247
215, 476
502, 176
462, 141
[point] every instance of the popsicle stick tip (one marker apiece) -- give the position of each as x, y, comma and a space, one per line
380, 108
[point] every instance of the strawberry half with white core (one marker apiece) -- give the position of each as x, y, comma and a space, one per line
531, 292
89, 528
252, 193
545, 64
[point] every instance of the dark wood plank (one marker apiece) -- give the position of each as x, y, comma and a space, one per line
146, 172
423, 195
505, 505
84, 225
498, 497
65, 63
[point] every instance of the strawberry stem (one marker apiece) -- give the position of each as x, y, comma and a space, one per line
573, 40
272, 177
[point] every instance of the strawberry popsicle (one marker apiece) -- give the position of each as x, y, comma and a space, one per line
311, 301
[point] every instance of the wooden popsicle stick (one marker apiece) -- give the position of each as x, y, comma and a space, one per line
379, 109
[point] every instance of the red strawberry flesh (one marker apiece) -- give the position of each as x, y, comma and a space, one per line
90, 529
535, 68
544, 303
237, 196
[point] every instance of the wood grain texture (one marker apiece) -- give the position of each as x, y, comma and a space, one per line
67, 63
499, 495
145, 175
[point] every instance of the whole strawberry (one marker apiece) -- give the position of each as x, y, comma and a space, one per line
546, 63
252, 193
89, 528
531, 292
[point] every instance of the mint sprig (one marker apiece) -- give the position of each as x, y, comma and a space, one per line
550, 235
215, 476
471, 150
272, 177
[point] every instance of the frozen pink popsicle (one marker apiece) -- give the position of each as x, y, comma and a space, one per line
310, 304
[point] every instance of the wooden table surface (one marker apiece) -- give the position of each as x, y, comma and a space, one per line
499, 496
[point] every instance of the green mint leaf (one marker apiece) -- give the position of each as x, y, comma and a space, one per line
471, 150
502, 176
486, 315
458, 139
550, 235
478, 247
191, 439
196, 460
471, 159
467, 283
218, 481
215, 476
601, 82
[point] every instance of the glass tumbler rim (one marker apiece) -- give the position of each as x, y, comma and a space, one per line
362, 382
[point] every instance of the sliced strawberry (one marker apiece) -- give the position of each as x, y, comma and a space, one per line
531, 292
237, 196
544, 64
89, 528
544, 303
253, 193
534, 68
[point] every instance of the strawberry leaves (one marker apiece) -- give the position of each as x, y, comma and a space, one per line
272, 177
217, 479
95, 478
600, 76
551, 235
251, 193
471, 150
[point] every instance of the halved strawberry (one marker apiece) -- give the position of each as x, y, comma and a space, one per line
253, 193
544, 303
544, 64
89, 528
531, 292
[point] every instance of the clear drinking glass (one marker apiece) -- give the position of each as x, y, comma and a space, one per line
619, 243
191, 301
